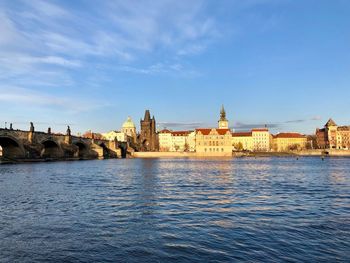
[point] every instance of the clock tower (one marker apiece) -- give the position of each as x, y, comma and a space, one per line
223, 122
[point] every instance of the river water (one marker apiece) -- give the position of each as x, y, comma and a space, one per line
176, 210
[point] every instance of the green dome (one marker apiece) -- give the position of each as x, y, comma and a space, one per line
128, 124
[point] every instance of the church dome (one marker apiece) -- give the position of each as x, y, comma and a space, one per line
128, 124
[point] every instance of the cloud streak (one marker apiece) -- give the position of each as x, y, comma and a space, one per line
181, 125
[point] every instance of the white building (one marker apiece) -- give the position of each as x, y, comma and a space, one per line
176, 141
262, 140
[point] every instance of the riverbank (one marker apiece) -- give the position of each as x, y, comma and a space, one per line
320, 153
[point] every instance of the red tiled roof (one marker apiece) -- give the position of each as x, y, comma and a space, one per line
289, 135
165, 131
241, 134
260, 129
207, 131
180, 133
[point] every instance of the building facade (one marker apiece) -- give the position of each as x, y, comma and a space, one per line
213, 142
333, 136
242, 141
176, 141
284, 142
262, 140
115, 135
148, 138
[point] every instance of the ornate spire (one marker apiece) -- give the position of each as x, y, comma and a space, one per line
223, 114
147, 115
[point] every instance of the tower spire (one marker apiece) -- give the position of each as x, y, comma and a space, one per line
222, 114
147, 115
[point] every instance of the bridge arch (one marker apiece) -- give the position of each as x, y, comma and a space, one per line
51, 149
11, 147
83, 149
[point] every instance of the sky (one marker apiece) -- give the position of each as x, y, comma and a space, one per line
91, 64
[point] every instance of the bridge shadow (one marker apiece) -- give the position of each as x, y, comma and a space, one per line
11, 148
83, 151
51, 150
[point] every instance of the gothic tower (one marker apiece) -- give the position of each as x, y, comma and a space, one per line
223, 122
148, 136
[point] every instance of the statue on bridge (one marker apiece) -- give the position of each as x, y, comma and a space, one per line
31, 127
68, 131
11, 127
49, 130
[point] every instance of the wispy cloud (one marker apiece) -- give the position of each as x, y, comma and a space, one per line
38, 34
239, 126
315, 118
161, 68
181, 125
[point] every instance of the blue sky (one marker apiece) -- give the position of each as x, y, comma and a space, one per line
90, 64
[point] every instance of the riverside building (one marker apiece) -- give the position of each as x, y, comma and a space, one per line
177, 141
333, 136
258, 140
215, 142
289, 141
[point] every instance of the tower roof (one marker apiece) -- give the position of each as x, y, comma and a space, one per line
147, 116
330, 122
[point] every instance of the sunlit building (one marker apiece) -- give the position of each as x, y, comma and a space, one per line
242, 141
289, 141
129, 129
262, 140
213, 142
115, 135
333, 136
176, 141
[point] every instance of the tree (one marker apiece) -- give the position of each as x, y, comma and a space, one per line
177, 147
293, 147
312, 140
238, 146
186, 147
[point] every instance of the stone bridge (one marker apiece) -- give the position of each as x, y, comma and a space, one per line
19, 145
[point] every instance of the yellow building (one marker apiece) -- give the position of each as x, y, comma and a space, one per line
165, 141
213, 142
289, 141
242, 141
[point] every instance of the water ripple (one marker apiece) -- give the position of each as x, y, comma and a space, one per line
176, 210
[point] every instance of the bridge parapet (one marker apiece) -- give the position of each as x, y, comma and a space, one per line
37, 145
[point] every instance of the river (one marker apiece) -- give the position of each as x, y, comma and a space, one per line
176, 210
